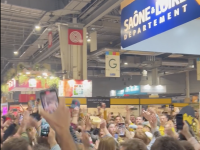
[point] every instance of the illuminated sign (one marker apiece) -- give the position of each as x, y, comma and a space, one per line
143, 19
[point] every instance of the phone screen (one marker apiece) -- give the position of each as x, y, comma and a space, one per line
121, 129
179, 121
20, 118
32, 103
44, 128
49, 100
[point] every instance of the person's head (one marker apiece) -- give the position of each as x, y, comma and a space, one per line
142, 136
16, 144
167, 143
117, 119
132, 118
163, 119
139, 120
133, 144
147, 128
187, 145
107, 143
112, 128
140, 127
101, 133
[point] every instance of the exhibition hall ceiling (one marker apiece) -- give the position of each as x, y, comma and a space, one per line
22, 42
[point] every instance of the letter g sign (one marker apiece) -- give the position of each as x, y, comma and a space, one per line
112, 63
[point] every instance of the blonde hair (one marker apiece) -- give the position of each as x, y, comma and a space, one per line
107, 143
142, 136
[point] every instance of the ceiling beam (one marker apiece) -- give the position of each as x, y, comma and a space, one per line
45, 5
47, 53
107, 7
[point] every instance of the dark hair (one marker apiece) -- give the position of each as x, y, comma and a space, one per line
187, 145
134, 144
15, 144
167, 143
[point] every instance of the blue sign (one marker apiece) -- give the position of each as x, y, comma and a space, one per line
119, 92
133, 90
143, 19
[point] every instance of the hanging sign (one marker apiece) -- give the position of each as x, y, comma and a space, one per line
50, 39
94, 102
75, 37
198, 69
142, 19
112, 64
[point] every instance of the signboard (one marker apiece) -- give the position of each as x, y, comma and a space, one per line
93, 102
11, 84
133, 90
50, 39
112, 64
75, 37
75, 88
143, 19
153, 89
198, 69
120, 93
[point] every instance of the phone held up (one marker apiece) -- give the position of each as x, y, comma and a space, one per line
44, 128
49, 100
179, 121
121, 129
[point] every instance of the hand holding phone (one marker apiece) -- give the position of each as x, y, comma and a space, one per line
49, 100
179, 122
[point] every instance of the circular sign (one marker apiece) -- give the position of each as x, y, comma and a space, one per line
75, 37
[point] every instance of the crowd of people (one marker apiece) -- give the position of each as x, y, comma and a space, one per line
70, 128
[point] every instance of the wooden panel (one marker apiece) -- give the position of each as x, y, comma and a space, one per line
154, 101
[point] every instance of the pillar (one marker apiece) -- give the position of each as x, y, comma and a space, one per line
73, 57
155, 76
187, 81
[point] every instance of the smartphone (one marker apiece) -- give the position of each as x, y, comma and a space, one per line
32, 103
20, 118
44, 128
179, 121
49, 100
121, 129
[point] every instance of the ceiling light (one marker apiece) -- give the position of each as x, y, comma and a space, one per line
16, 52
125, 63
88, 40
37, 27
28, 73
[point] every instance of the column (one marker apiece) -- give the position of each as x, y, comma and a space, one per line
73, 57
155, 76
187, 80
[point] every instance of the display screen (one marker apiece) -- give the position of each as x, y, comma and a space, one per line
49, 100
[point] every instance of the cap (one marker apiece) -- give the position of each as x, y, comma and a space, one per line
75, 103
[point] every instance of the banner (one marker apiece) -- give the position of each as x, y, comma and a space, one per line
143, 19
75, 88
93, 102
75, 37
198, 69
50, 39
112, 64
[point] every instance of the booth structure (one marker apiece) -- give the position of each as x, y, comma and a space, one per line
118, 105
